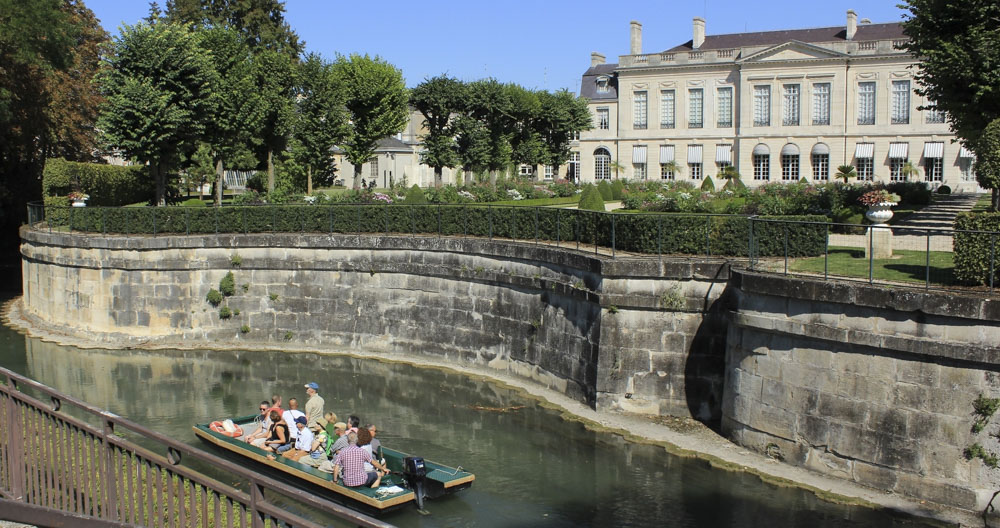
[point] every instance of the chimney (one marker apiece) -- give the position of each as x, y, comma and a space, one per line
596, 58
852, 24
698, 27
636, 48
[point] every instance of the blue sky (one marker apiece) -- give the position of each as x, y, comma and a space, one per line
539, 44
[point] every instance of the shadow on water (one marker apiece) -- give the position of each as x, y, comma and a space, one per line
533, 468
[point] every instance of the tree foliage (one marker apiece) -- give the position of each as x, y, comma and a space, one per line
261, 22
376, 102
158, 87
320, 118
440, 100
987, 166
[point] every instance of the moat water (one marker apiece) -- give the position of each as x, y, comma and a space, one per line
533, 468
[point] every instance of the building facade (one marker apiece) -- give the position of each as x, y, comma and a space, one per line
779, 106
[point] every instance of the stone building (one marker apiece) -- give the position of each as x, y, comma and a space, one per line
777, 105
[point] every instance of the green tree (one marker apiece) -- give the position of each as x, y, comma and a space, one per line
526, 142
321, 121
562, 116
274, 74
617, 167
846, 172
440, 101
472, 143
157, 85
261, 22
909, 170
988, 161
959, 48
376, 102
489, 103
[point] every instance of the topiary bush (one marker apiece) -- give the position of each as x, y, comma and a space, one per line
591, 199
616, 190
605, 189
227, 286
708, 185
973, 251
414, 195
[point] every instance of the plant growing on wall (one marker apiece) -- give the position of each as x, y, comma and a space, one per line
227, 286
214, 297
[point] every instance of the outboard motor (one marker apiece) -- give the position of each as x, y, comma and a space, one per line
414, 472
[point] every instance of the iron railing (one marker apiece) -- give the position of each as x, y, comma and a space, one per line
929, 258
54, 461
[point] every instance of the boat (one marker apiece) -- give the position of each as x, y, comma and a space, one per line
411, 479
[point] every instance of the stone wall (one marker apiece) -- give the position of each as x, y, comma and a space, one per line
868, 383
629, 334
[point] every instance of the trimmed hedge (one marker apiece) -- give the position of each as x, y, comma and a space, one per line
641, 233
107, 185
973, 251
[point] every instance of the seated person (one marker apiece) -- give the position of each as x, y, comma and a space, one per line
353, 423
350, 463
279, 437
263, 422
365, 442
376, 444
321, 443
291, 414
276, 403
303, 440
339, 443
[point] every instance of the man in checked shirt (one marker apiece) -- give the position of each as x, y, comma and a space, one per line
351, 462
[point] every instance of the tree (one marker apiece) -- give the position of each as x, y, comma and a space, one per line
846, 172
376, 102
562, 116
909, 169
261, 22
489, 103
616, 166
157, 85
321, 121
526, 143
988, 161
472, 143
274, 75
959, 47
439, 100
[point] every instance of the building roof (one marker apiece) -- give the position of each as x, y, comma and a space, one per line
588, 87
892, 30
391, 144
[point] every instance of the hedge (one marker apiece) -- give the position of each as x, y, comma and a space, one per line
973, 251
722, 235
107, 185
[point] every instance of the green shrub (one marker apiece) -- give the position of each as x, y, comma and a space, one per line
194, 202
225, 313
912, 193
591, 199
605, 189
414, 195
708, 185
973, 251
235, 260
245, 329
227, 286
616, 190
107, 185
214, 297
944, 189
273, 297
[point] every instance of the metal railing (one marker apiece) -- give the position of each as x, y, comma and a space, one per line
54, 462
773, 244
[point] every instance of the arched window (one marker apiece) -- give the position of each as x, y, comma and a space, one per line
602, 164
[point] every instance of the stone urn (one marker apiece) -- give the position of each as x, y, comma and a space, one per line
79, 203
880, 213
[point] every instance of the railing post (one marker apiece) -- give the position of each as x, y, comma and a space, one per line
439, 221
612, 236
596, 216
386, 216
104, 223
274, 219
187, 221
659, 238
153, 212
330, 208
708, 235
15, 443
413, 223
927, 254
558, 228
536, 226
489, 209
993, 257
217, 220
256, 497
826, 254
465, 221
109, 491
871, 255
750, 243
786, 247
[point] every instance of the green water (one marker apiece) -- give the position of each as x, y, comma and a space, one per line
532, 468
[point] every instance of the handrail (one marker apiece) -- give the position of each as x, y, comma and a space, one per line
112, 478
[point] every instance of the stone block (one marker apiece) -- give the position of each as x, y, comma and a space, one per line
775, 421
936, 491
828, 464
814, 430
918, 373
875, 476
886, 420
841, 410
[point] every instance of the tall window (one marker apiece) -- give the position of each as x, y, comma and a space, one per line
761, 106
667, 163
603, 118
790, 112
639, 162
762, 166
639, 110
900, 102
724, 104
695, 170
549, 170
374, 168
602, 164
573, 169
666, 109
665, 172
866, 169
866, 103
933, 115
789, 167
965, 165
696, 108
821, 167
821, 104
639, 169
934, 169
896, 169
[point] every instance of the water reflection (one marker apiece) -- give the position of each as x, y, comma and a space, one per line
533, 468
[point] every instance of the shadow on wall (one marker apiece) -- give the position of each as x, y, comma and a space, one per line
705, 365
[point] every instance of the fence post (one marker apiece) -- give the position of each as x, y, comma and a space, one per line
536, 226
109, 491
595, 232
928, 261
612, 236
330, 208
104, 223
154, 221
245, 227
786, 247
750, 243
413, 223
15, 449
439, 221
71, 220
558, 228
576, 229
708, 235
871, 255
386, 216
826, 254
993, 257
217, 220
187, 221
465, 221
659, 238
274, 219
489, 209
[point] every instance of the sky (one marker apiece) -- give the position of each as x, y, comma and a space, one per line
543, 44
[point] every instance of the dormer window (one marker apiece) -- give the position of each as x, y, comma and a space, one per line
602, 84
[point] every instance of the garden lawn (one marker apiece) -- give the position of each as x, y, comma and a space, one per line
983, 204
905, 266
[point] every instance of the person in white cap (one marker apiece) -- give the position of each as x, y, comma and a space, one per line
314, 405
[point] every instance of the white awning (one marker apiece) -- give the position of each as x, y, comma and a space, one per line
899, 150
639, 154
761, 150
694, 153
934, 149
724, 154
864, 151
666, 153
966, 153
790, 149
821, 149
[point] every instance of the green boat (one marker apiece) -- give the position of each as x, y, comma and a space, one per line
411, 479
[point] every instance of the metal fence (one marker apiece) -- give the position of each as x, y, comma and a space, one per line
54, 461
795, 245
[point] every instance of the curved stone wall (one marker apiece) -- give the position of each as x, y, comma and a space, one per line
631, 334
868, 383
